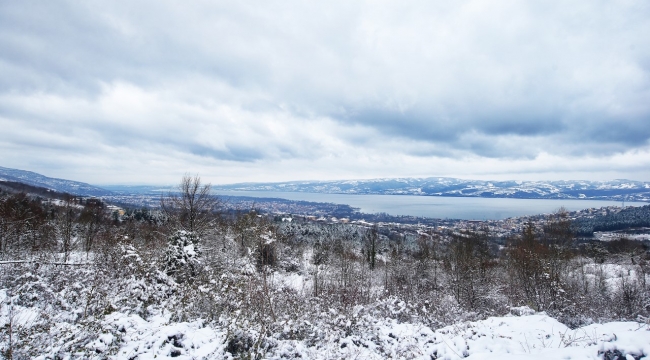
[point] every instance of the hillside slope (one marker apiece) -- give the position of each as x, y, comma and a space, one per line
60, 185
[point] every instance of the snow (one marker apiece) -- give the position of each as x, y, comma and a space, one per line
536, 336
612, 235
522, 335
291, 280
17, 315
268, 238
189, 250
159, 339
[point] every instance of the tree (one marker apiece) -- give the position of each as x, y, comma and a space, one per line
182, 256
426, 256
66, 223
90, 219
370, 238
190, 208
538, 263
245, 227
20, 218
469, 267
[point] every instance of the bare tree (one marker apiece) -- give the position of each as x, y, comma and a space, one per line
370, 238
191, 207
66, 223
470, 268
90, 219
538, 263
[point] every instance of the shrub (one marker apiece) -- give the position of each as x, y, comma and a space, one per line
182, 256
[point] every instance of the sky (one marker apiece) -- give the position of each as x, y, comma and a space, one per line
142, 92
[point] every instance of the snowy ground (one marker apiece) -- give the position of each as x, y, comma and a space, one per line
523, 336
615, 235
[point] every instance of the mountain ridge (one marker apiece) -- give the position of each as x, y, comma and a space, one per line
618, 190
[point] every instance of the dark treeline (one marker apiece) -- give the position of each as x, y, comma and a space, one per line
12, 187
78, 260
630, 217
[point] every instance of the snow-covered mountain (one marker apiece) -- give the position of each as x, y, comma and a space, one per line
618, 190
60, 185
440, 186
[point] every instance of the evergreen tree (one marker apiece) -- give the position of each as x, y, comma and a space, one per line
182, 256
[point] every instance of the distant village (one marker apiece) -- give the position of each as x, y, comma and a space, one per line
328, 213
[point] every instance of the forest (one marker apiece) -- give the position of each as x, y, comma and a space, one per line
631, 217
81, 279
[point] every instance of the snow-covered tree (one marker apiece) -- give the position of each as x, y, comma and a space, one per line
182, 256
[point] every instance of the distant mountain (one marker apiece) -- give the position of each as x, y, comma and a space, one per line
617, 190
60, 185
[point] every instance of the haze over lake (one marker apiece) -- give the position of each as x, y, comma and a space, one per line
439, 207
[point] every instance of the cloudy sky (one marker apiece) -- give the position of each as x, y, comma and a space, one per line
131, 92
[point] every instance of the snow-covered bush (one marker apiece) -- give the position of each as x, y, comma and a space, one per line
182, 256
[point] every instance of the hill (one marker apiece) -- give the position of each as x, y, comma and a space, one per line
59, 185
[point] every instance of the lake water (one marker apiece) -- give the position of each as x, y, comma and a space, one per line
439, 207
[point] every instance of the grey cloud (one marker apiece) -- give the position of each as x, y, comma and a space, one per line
630, 132
231, 153
411, 124
436, 125
488, 79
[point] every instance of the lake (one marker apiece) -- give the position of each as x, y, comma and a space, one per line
439, 207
